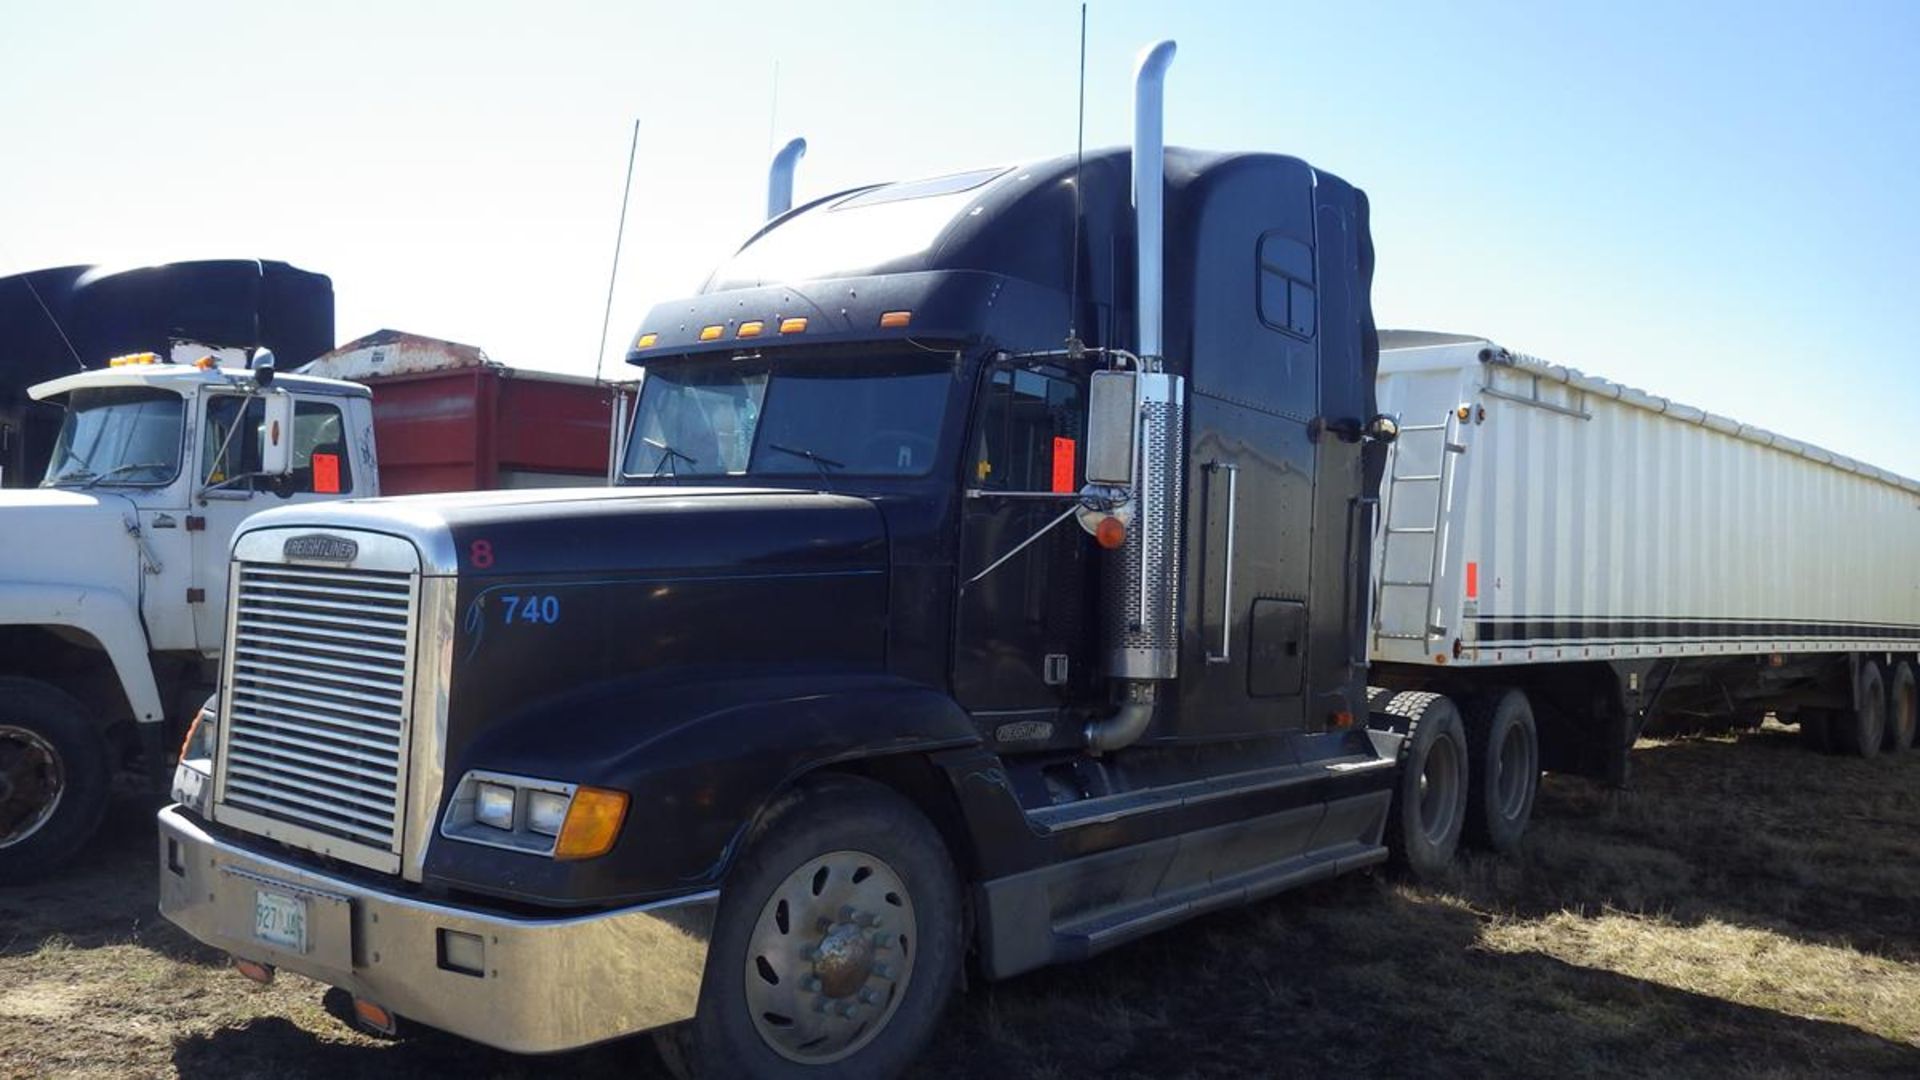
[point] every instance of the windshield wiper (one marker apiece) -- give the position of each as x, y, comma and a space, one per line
78, 472
668, 453
820, 462
118, 469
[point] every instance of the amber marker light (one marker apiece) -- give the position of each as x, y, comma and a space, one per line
750, 329
794, 325
592, 825
1110, 533
205, 363
645, 341
894, 320
711, 333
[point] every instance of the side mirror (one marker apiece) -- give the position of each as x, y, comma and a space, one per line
1383, 429
263, 367
276, 435
1113, 414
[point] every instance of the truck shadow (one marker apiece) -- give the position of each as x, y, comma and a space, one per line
1751, 830
1387, 987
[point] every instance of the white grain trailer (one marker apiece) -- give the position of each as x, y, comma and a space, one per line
1576, 562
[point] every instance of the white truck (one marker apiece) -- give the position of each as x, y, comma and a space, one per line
114, 572
1577, 562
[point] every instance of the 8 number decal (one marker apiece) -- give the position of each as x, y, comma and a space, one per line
480, 554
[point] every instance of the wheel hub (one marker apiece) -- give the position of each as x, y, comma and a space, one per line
31, 784
830, 957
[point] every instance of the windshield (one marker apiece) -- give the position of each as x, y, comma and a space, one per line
118, 435
871, 416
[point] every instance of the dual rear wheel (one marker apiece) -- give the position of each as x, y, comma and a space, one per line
1467, 774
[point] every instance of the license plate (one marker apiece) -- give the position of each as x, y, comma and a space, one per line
280, 920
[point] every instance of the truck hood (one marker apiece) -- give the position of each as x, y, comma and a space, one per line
54, 537
615, 531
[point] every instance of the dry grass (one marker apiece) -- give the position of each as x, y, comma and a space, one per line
1750, 909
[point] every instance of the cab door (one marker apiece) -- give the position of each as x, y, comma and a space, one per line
227, 489
1026, 633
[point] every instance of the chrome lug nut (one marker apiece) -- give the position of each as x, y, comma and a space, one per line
811, 984
885, 971
883, 941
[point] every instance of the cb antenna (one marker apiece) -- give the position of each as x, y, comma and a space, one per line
620, 234
1074, 346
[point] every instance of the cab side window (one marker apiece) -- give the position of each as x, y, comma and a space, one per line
320, 464
1029, 435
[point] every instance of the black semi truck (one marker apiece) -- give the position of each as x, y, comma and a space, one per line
987, 584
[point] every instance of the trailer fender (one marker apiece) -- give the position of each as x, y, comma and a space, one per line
108, 617
701, 764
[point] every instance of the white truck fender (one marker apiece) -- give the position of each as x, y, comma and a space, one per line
109, 617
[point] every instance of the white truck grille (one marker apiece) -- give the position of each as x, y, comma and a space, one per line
318, 689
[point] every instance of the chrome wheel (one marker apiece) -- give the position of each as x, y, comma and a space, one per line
830, 957
1439, 795
32, 783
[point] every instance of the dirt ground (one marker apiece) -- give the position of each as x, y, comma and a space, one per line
1749, 909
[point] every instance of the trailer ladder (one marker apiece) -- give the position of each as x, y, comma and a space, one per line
1398, 482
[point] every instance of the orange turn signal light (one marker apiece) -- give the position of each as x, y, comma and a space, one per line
205, 363
750, 329
1110, 533
592, 825
260, 973
893, 320
794, 325
377, 1017
645, 341
709, 333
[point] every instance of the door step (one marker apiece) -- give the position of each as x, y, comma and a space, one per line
1091, 936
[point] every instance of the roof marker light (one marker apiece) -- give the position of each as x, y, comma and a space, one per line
750, 329
646, 340
893, 320
795, 325
132, 359
710, 333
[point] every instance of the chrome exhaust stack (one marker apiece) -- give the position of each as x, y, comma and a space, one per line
780, 177
1146, 428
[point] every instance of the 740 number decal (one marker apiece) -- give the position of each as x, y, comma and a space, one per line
544, 610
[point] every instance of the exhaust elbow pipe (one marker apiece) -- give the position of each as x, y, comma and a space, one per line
1149, 187
780, 177
1124, 727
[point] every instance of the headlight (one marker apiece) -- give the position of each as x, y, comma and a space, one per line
541, 817
493, 805
546, 812
193, 774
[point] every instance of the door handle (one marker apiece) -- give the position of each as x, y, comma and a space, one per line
1225, 653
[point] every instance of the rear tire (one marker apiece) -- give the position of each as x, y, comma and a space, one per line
1430, 803
1903, 708
795, 950
1503, 748
54, 778
1862, 731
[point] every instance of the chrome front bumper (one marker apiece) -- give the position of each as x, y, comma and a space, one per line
546, 984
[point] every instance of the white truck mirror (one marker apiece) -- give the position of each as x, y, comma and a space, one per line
276, 435
1112, 425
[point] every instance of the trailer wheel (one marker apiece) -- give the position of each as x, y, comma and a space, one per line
1863, 730
1430, 804
54, 778
1903, 708
1503, 747
836, 948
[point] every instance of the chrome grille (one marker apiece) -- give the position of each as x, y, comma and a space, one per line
317, 693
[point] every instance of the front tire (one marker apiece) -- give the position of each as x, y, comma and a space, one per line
54, 778
1504, 751
1429, 807
837, 945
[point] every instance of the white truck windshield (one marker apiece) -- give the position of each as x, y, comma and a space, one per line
864, 417
119, 435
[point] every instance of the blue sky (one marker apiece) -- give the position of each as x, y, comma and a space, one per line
1713, 201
